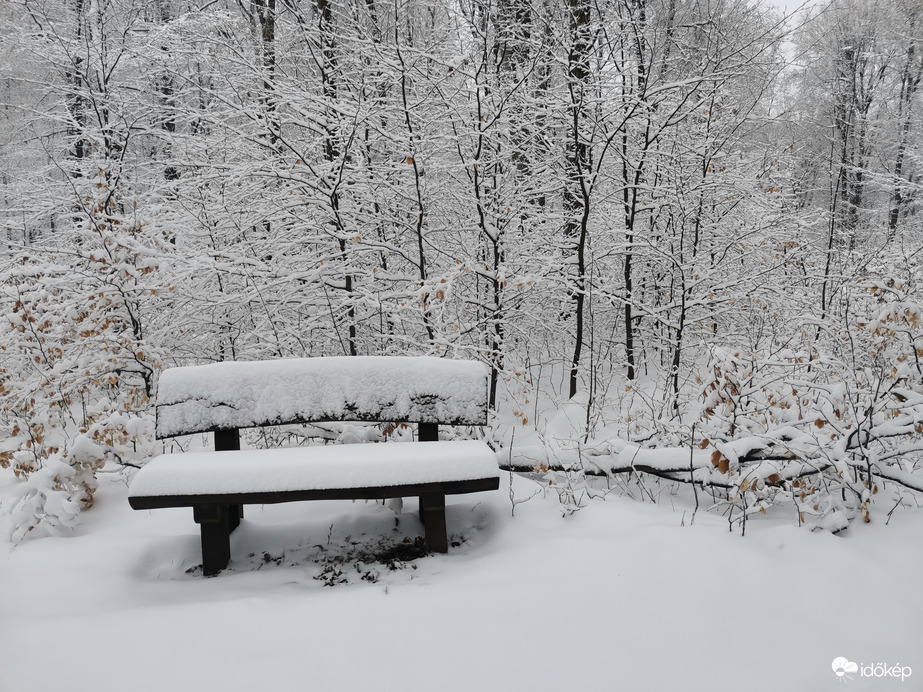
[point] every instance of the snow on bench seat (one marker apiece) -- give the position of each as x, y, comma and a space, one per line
241, 394
313, 468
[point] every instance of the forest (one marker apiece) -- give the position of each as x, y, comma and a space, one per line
685, 235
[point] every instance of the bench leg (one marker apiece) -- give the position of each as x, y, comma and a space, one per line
235, 514
229, 440
215, 527
432, 513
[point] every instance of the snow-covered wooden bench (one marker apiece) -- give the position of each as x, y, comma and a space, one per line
225, 397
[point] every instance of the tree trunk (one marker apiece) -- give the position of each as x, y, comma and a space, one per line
576, 191
911, 74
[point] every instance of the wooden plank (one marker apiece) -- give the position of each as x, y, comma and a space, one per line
357, 416
393, 389
318, 467
266, 498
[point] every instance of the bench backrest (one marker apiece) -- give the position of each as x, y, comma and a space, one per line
242, 394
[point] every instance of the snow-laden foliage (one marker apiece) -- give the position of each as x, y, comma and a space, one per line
78, 370
821, 427
637, 214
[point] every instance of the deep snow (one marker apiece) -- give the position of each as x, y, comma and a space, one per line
621, 595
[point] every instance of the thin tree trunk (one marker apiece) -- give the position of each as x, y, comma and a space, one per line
576, 192
911, 74
413, 160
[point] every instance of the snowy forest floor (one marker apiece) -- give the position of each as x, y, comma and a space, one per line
622, 595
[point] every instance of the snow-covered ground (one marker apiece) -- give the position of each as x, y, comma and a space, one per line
619, 596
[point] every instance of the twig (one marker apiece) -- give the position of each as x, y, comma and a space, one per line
695, 491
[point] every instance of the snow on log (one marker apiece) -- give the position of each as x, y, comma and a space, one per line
755, 459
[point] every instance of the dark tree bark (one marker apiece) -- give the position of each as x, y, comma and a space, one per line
577, 163
911, 75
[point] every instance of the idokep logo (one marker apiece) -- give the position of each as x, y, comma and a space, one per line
845, 670
843, 667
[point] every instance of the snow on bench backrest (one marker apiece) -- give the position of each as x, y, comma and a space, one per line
242, 394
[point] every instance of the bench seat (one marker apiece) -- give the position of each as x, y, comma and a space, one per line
182, 480
217, 485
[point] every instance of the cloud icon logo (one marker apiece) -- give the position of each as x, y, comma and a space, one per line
842, 666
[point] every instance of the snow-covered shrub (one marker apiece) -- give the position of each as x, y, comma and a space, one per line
48, 502
820, 421
828, 426
78, 365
